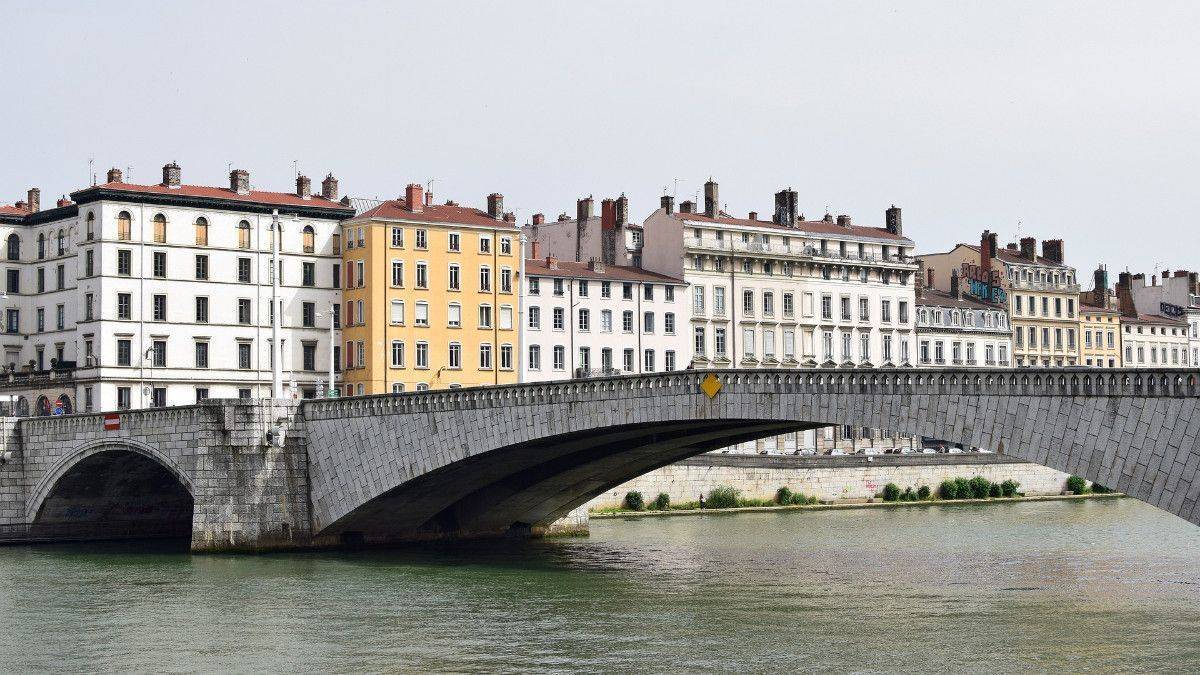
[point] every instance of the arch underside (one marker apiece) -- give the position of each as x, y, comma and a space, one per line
524, 487
115, 494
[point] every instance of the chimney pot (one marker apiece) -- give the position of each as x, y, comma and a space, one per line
667, 203
239, 181
596, 265
329, 188
538, 219
495, 202
843, 220
63, 201
429, 198
551, 262
114, 175
687, 206
754, 215
172, 175
510, 217
828, 218
893, 221
35, 200
414, 198
562, 217
535, 249
303, 187
712, 206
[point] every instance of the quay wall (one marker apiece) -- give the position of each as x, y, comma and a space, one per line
829, 478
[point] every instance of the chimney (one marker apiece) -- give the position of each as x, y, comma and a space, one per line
712, 207
919, 279
538, 219
510, 217
1028, 248
596, 265
583, 209
687, 206
828, 218
562, 217
608, 214
785, 207
1125, 294
1100, 278
172, 174
429, 198
303, 187
929, 278
22, 205
622, 210
414, 198
495, 206
583, 213
955, 289
843, 220
35, 200
667, 203
551, 262
63, 201
893, 222
114, 175
535, 249
754, 215
239, 181
329, 188
987, 251
1012, 246
1052, 249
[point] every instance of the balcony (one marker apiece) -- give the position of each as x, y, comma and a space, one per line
788, 250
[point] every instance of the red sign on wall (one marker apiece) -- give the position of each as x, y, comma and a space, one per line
112, 422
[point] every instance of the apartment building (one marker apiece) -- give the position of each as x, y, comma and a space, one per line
609, 237
1151, 339
129, 295
789, 292
958, 330
1175, 296
1041, 293
593, 319
431, 297
1100, 324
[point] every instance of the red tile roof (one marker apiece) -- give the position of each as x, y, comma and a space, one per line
814, 226
12, 211
539, 267
208, 192
933, 297
397, 209
1015, 257
1155, 319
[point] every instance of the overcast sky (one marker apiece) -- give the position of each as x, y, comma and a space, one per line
1079, 121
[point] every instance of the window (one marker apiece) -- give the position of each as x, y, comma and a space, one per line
560, 357
789, 305
627, 360
485, 356
698, 299
124, 306
397, 237
160, 264
422, 239
454, 279
397, 354
455, 242
397, 315
422, 280
421, 318
903, 311
422, 355
454, 315
41, 280
485, 279
89, 302
201, 310
627, 321
769, 344
648, 291
89, 263
864, 309
719, 342
748, 343
535, 286
158, 353
309, 239
719, 300
309, 274
243, 235
124, 352
535, 318
485, 316
669, 323
308, 314
559, 319
826, 307
505, 280
201, 232
244, 355
845, 316
506, 317
124, 226
243, 270
360, 273
506, 354
647, 322
606, 321
534, 360
505, 246
606, 289
160, 307
398, 273
124, 263
485, 243
747, 303
627, 291
698, 341
243, 311
768, 301
648, 361
455, 356
160, 229
309, 356
201, 354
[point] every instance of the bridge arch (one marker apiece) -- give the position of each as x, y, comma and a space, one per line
112, 489
479, 462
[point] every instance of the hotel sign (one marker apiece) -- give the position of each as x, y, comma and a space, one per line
986, 287
1168, 309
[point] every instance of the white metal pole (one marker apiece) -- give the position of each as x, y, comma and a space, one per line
276, 352
332, 343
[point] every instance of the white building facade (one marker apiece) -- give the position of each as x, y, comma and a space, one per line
788, 292
958, 331
593, 320
1176, 297
133, 295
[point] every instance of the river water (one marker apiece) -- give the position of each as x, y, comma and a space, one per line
1095, 585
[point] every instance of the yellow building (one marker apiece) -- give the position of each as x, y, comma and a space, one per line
1100, 324
430, 299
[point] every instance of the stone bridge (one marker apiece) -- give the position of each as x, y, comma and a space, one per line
515, 459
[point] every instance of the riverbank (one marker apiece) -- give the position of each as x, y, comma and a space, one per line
624, 513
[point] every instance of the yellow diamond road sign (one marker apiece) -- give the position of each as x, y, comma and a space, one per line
711, 385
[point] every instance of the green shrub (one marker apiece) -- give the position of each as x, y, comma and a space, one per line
783, 495
1100, 489
923, 492
1077, 485
891, 492
980, 487
634, 501
755, 502
798, 498
662, 502
994, 490
1009, 488
948, 489
722, 497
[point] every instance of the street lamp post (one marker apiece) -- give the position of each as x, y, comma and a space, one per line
276, 315
332, 342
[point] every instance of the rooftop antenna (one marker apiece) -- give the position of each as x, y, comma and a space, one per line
129, 173
429, 185
91, 172
295, 168
676, 192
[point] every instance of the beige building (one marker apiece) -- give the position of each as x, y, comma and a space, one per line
1041, 292
1100, 325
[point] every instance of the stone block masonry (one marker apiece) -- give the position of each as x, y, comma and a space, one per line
828, 478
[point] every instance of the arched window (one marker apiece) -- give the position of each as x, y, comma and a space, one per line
62, 243
310, 239
41, 245
160, 229
14, 247
124, 229
201, 232
243, 234
91, 225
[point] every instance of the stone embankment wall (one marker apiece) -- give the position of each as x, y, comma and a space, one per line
829, 478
